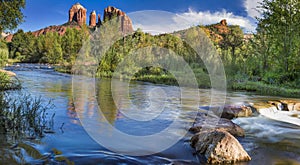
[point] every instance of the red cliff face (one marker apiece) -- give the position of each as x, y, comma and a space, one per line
77, 14
125, 21
59, 29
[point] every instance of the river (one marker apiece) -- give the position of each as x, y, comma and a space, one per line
267, 141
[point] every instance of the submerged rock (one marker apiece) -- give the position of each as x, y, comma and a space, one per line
219, 146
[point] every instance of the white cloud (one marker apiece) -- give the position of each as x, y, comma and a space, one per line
156, 22
251, 7
206, 18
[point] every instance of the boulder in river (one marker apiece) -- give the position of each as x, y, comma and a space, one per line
206, 122
230, 112
219, 146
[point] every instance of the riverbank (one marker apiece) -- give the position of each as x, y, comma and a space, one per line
265, 89
203, 80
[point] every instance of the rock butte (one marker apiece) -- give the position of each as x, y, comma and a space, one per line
77, 13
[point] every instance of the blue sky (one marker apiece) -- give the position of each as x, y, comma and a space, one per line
43, 13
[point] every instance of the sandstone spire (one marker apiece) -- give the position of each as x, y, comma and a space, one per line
92, 22
99, 20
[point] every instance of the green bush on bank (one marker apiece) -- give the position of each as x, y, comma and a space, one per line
265, 89
8, 83
3, 53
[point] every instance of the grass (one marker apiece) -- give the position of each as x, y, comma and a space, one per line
265, 89
23, 116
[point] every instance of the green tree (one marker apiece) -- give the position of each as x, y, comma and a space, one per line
52, 47
23, 47
11, 14
71, 43
3, 53
280, 26
233, 40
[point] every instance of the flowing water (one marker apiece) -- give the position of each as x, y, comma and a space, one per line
76, 116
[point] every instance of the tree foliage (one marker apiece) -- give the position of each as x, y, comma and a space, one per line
276, 44
11, 14
49, 48
3, 53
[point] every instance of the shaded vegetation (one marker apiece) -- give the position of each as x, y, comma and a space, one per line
3, 53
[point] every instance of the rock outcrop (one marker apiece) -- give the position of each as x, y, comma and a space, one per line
290, 105
77, 13
230, 112
61, 29
281, 105
219, 146
125, 22
92, 22
206, 122
222, 27
99, 20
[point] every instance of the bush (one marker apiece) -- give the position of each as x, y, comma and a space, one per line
3, 54
266, 89
7, 83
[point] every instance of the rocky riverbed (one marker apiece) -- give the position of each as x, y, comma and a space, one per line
215, 137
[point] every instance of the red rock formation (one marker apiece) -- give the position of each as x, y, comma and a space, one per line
125, 21
223, 22
99, 20
77, 18
222, 27
92, 22
77, 13
60, 29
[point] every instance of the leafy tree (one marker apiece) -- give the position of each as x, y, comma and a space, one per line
23, 47
71, 43
233, 40
280, 26
3, 53
11, 14
52, 48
